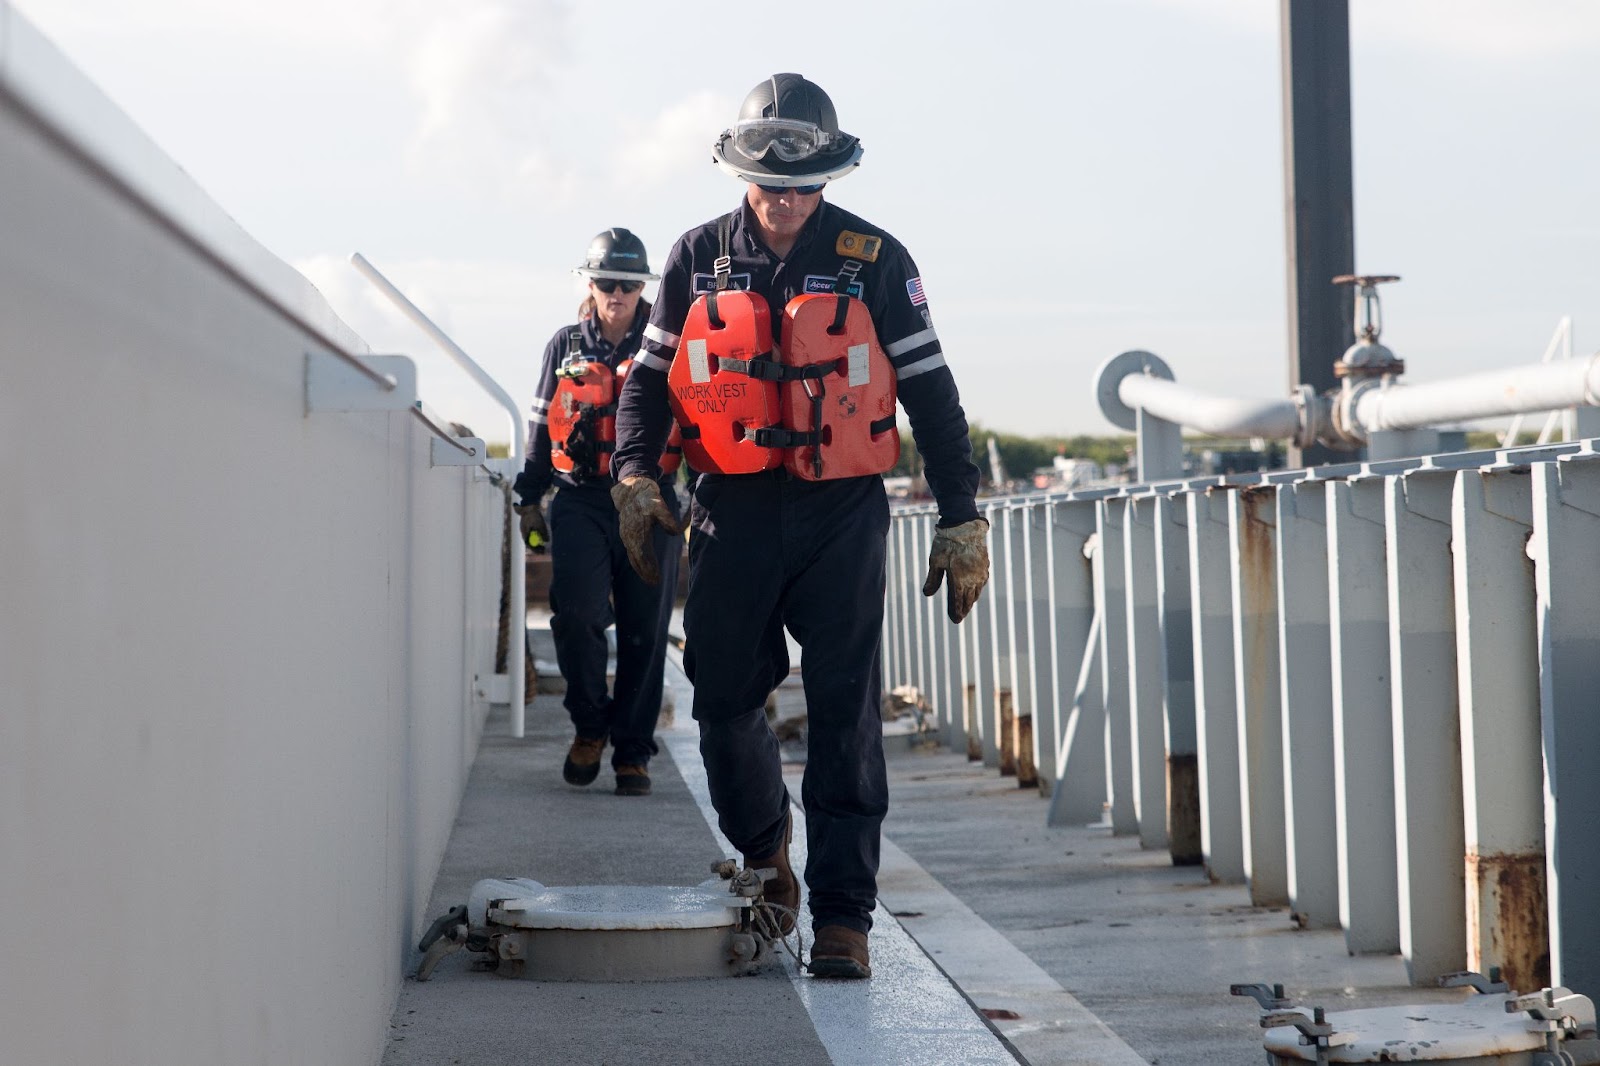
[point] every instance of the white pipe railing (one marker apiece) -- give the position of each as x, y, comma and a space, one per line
1220, 416
1139, 382
1542, 387
517, 623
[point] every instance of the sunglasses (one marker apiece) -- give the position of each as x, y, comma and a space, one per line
611, 285
798, 190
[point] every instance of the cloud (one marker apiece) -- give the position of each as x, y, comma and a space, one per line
676, 141
485, 75
479, 83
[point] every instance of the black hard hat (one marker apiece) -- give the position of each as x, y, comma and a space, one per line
616, 253
787, 134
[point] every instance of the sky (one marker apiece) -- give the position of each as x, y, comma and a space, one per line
1074, 179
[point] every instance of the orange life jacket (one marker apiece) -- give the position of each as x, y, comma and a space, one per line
823, 406
841, 423
583, 416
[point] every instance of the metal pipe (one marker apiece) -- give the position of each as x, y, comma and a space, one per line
517, 642
1219, 416
1542, 387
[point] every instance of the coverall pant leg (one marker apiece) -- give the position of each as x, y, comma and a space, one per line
768, 552
591, 586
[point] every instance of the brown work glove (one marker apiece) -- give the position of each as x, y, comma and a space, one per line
963, 553
531, 523
639, 509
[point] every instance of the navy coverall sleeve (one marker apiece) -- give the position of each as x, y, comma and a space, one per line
534, 481
644, 417
927, 388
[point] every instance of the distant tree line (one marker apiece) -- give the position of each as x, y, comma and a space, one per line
1021, 455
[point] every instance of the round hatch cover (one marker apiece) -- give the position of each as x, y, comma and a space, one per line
530, 905
1473, 1030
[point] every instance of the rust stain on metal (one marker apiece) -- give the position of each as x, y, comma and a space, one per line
1008, 737
1507, 917
1183, 809
1258, 586
1027, 773
1256, 549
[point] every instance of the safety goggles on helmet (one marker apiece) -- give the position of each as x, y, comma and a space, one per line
611, 285
790, 139
801, 190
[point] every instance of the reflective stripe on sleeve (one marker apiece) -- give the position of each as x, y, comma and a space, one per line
540, 405
916, 340
539, 418
654, 362
653, 332
921, 366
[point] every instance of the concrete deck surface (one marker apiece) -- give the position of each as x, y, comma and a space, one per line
1083, 948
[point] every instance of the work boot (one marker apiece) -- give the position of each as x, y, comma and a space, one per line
633, 780
583, 760
783, 890
840, 952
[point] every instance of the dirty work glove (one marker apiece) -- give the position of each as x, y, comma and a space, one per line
531, 524
639, 509
962, 552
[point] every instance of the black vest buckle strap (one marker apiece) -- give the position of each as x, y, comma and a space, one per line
778, 437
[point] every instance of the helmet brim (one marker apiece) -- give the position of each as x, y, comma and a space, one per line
772, 171
617, 275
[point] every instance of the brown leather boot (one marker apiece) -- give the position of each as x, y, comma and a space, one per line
633, 780
583, 760
840, 952
783, 890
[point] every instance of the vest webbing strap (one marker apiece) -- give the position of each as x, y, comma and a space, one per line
762, 368
723, 268
779, 437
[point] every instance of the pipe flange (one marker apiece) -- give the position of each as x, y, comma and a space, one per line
1108, 379
1314, 415
1346, 431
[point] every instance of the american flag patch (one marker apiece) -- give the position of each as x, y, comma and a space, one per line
914, 290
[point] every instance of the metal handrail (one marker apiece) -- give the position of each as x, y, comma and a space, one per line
1560, 341
517, 647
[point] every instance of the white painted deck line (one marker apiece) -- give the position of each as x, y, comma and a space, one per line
908, 1012
1054, 1028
